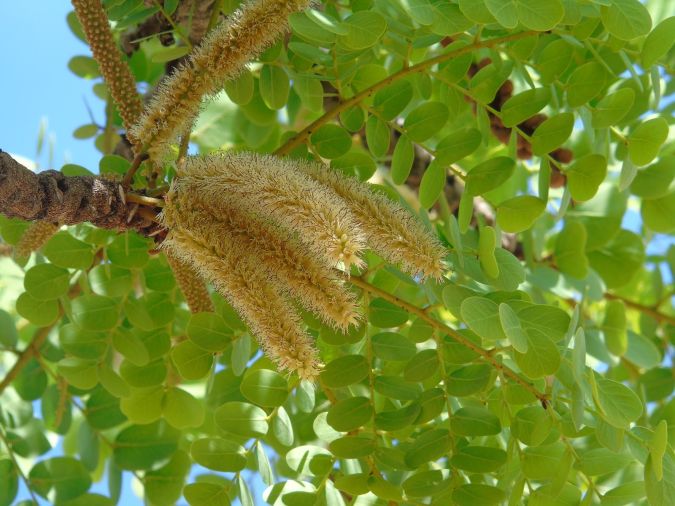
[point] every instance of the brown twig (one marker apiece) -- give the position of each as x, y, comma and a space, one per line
31, 350
135, 164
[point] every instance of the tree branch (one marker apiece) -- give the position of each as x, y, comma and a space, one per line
52, 196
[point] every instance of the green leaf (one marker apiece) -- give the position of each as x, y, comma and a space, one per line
131, 347
660, 491
8, 333
524, 105
378, 136
620, 404
432, 184
512, 328
143, 446
585, 175
658, 42
352, 447
655, 181
474, 421
150, 311
552, 133
617, 261
350, 414
448, 19
614, 327
59, 478
331, 141
182, 410
482, 316
384, 314
504, 12
344, 371
601, 461
541, 358
487, 240
362, 30
478, 459
427, 483
264, 387
65, 251
46, 282
490, 174
192, 361
469, 380
129, 251
10, 480
659, 214
392, 346
38, 312
397, 419
426, 120
570, 247
110, 280
282, 427
274, 86
457, 145
240, 89
627, 493
242, 419
585, 83
612, 108
391, 100
218, 454
540, 15
206, 494
95, 312
645, 141
209, 331
626, 19
429, 446
532, 425
402, 160
477, 493
519, 213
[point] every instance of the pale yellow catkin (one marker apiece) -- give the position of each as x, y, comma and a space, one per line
115, 70
35, 236
193, 287
273, 189
222, 55
269, 315
391, 230
294, 270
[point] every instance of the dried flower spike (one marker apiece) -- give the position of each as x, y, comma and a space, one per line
391, 230
223, 54
273, 189
293, 269
115, 71
247, 288
35, 236
193, 287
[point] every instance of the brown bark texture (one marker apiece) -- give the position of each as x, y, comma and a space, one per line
67, 200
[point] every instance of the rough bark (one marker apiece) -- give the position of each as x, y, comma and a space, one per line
54, 197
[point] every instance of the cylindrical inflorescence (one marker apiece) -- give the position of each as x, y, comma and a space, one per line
114, 68
190, 283
222, 55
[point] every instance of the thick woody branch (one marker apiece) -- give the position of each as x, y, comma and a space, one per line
54, 197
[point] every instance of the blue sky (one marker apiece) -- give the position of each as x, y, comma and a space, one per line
36, 84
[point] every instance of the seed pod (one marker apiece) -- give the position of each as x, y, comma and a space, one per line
193, 287
37, 234
269, 315
114, 68
222, 55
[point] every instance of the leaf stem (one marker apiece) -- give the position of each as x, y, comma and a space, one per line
304, 134
420, 313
